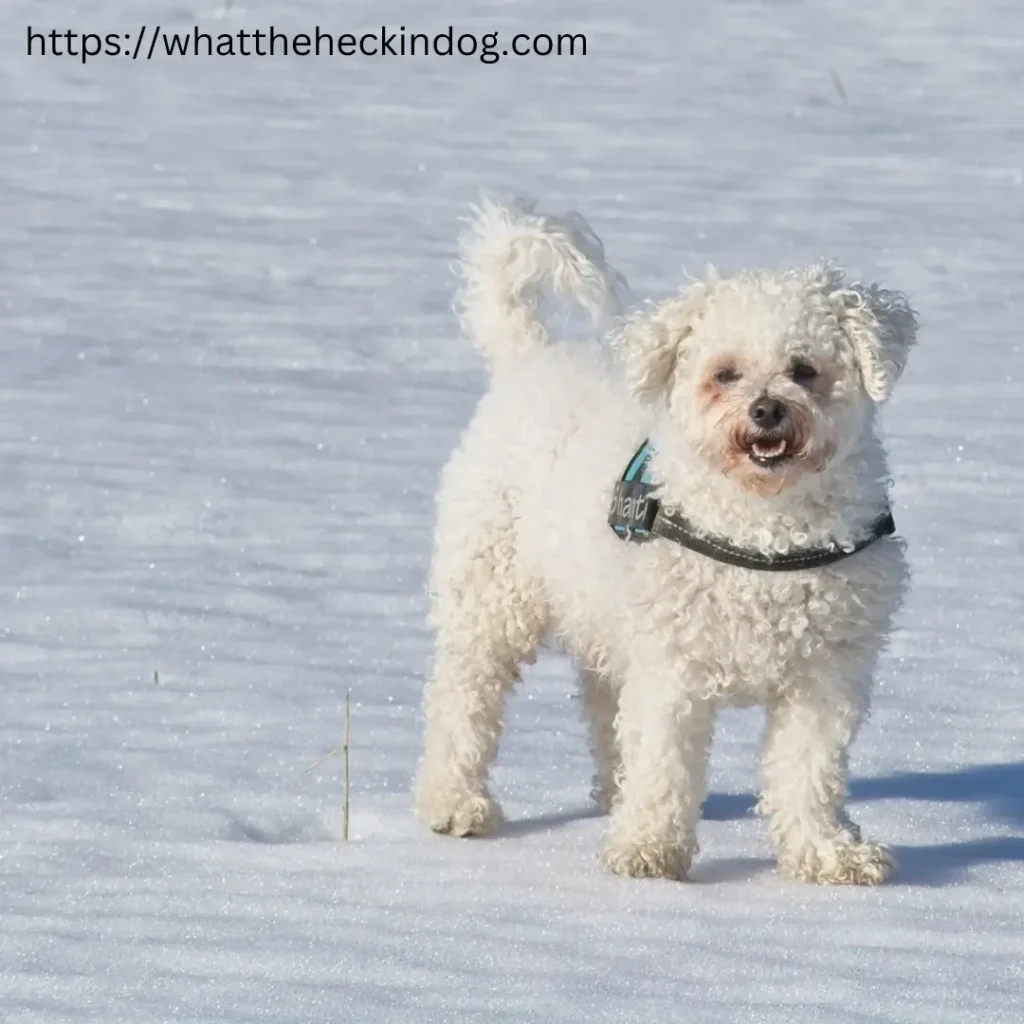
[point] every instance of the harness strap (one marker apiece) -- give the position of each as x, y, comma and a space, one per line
636, 515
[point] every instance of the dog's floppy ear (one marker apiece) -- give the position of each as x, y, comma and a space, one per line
882, 328
648, 344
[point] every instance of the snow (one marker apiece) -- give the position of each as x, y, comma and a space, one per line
230, 376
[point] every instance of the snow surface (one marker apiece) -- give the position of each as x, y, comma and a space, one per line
230, 377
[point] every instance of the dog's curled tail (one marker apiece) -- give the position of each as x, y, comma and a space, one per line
511, 258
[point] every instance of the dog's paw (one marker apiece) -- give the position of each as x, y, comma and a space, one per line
842, 863
456, 813
650, 858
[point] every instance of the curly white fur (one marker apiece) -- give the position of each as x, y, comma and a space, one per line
663, 636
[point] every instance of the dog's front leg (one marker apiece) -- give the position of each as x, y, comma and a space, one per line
804, 772
664, 737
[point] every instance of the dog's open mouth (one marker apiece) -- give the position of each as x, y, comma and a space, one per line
768, 453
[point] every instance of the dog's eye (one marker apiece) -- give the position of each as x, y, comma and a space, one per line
802, 373
727, 375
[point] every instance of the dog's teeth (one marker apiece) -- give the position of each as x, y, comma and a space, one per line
768, 451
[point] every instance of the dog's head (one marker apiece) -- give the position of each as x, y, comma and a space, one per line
770, 377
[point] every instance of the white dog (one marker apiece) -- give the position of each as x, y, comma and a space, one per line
757, 393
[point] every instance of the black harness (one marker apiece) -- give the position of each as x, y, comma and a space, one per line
636, 515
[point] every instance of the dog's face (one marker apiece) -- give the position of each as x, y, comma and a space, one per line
771, 377
767, 414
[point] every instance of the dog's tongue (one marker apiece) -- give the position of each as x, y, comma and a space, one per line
768, 449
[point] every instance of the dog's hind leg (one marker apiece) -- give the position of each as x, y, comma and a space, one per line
600, 705
489, 620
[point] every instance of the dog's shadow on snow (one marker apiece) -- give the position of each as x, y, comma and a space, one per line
999, 788
548, 822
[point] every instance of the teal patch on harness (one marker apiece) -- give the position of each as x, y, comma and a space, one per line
633, 505
636, 471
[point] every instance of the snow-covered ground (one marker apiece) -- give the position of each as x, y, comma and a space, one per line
229, 379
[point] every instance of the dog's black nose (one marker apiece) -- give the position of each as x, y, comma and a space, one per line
767, 412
